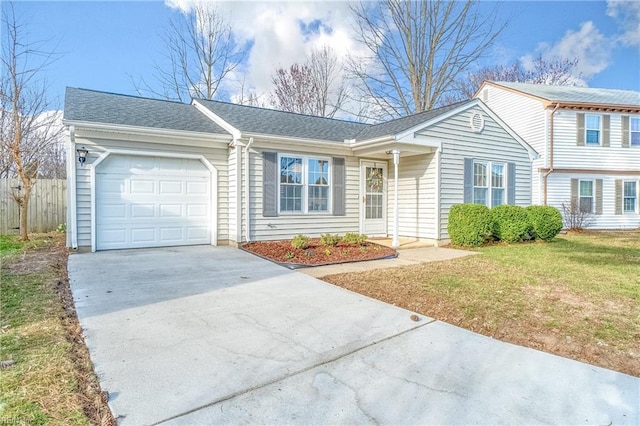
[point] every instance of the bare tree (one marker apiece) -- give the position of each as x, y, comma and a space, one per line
416, 50
28, 129
201, 52
551, 71
314, 87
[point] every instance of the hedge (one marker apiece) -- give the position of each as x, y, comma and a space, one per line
546, 222
510, 223
469, 225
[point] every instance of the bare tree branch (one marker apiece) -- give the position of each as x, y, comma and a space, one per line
29, 131
415, 51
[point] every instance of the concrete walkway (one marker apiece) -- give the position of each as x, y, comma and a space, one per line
209, 335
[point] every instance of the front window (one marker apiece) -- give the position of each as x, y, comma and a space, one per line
480, 184
586, 196
634, 131
489, 189
592, 129
630, 197
304, 184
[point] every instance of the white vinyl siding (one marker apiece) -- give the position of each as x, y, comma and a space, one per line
288, 225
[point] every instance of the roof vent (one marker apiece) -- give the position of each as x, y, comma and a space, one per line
477, 122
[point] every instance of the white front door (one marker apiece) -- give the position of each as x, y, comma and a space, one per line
152, 202
373, 198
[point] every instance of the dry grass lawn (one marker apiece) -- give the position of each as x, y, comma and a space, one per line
577, 296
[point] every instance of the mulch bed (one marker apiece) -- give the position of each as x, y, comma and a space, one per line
316, 254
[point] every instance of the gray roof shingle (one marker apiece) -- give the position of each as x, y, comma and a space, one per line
576, 94
109, 108
250, 119
393, 127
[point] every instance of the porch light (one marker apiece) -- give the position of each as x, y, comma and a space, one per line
82, 155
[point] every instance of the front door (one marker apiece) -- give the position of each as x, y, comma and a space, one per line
373, 197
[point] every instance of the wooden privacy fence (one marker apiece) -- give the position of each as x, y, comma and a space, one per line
47, 207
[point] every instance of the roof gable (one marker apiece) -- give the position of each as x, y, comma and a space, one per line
108, 108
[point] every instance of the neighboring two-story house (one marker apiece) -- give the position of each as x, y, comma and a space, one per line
589, 145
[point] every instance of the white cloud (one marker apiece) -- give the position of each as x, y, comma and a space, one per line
588, 45
276, 32
627, 12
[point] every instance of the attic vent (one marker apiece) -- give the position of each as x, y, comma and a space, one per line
477, 122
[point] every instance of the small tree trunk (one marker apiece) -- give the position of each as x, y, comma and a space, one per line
24, 210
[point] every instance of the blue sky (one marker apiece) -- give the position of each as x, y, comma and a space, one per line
109, 45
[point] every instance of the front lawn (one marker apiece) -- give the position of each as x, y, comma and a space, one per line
577, 296
48, 377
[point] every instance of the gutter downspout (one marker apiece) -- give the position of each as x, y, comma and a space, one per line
546, 175
238, 190
72, 239
395, 243
247, 191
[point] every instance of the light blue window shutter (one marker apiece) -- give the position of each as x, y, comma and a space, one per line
468, 180
338, 186
269, 184
511, 183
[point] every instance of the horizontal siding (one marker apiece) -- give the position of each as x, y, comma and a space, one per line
217, 157
569, 155
416, 197
287, 226
559, 192
492, 144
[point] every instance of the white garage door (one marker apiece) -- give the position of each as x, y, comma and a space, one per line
152, 202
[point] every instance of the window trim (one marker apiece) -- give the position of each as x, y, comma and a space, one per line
631, 132
587, 129
488, 177
635, 204
305, 185
593, 195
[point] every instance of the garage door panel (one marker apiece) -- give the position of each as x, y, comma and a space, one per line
151, 202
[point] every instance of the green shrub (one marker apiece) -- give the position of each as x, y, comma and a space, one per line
300, 241
354, 238
546, 222
510, 223
329, 239
469, 225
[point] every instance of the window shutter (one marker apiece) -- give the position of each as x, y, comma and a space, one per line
606, 120
468, 180
618, 196
598, 196
580, 135
574, 194
338, 186
625, 131
269, 184
511, 183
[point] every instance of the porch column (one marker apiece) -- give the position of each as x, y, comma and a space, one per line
395, 243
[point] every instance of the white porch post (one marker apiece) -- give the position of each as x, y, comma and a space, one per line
396, 159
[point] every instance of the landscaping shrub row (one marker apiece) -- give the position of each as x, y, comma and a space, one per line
301, 241
473, 225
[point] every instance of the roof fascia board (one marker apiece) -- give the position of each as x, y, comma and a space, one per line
366, 142
290, 139
146, 131
597, 107
275, 143
216, 119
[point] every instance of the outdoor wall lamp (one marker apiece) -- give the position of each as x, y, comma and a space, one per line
82, 155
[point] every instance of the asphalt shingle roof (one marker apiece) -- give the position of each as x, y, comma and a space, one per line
109, 108
249, 119
576, 94
393, 127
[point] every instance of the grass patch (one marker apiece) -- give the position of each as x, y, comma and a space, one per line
577, 296
47, 384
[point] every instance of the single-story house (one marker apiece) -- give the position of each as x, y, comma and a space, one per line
147, 172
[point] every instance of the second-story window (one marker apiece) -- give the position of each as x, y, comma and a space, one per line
634, 131
592, 129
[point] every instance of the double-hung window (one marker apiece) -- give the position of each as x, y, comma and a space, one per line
586, 196
629, 196
634, 131
593, 129
489, 183
304, 184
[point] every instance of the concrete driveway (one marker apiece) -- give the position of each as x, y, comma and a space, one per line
210, 335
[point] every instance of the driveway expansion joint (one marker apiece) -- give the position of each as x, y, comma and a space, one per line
266, 383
